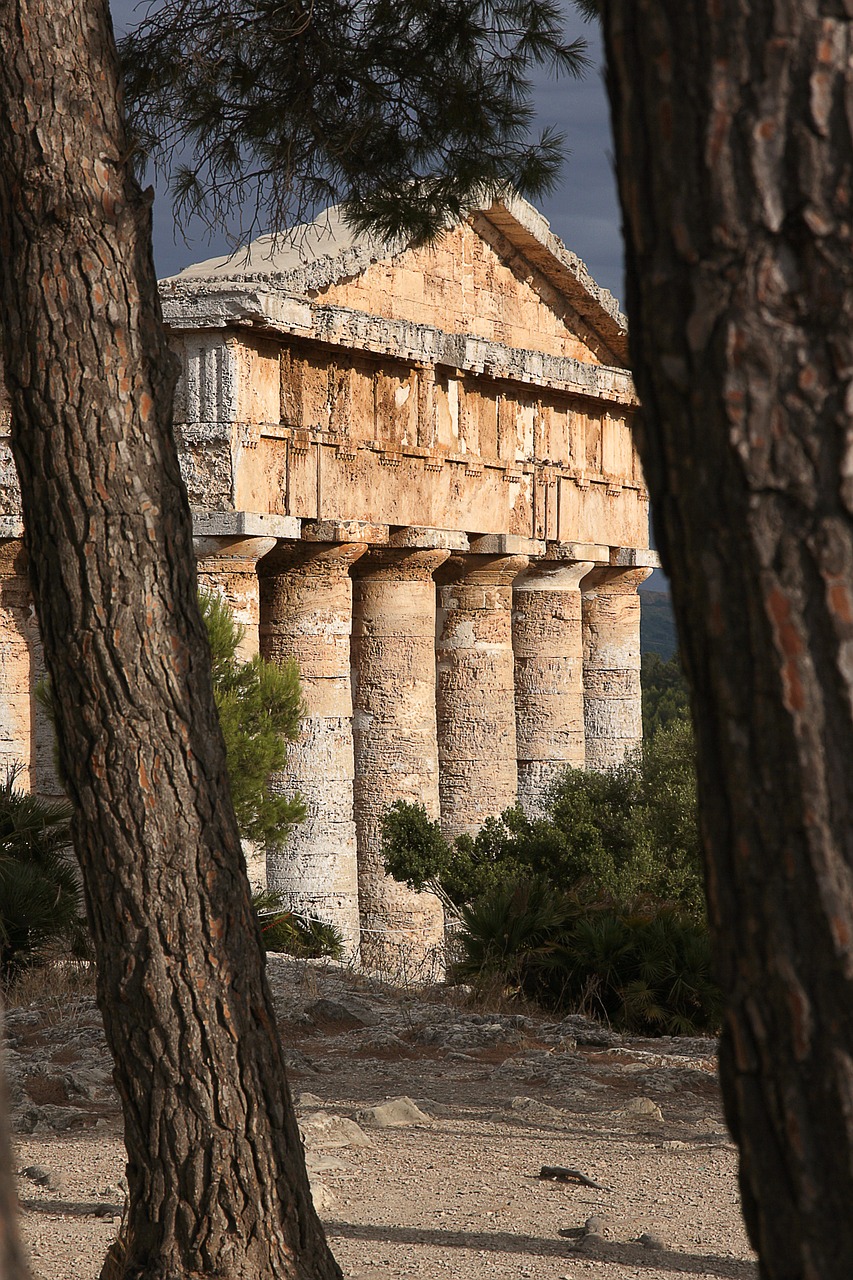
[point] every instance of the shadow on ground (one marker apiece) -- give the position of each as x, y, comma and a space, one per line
627, 1254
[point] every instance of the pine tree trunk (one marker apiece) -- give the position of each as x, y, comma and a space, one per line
732, 123
12, 1262
216, 1169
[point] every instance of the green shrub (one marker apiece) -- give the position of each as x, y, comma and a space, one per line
417, 854
598, 905
39, 893
260, 706
645, 968
283, 931
630, 832
512, 930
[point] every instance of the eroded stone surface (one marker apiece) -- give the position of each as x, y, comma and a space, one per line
306, 595
549, 687
476, 690
613, 710
396, 750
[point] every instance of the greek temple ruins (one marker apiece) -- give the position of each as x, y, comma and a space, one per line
411, 469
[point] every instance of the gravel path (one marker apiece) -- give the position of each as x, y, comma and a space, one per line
446, 1180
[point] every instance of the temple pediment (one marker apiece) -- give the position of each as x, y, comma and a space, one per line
501, 276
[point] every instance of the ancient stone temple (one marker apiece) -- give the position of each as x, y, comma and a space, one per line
412, 470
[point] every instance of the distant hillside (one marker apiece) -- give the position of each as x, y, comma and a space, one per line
657, 624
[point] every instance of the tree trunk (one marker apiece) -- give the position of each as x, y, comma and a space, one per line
13, 1265
732, 123
216, 1170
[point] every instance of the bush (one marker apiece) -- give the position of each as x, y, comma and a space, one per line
283, 931
416, 853
512, 932
630, 832
39, 893
644, 968
260, 706
598, 905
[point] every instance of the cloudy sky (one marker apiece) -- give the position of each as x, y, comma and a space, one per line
583, 211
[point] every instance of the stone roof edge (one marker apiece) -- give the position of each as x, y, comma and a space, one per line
530, 233
309, 276
514, 217
222, 304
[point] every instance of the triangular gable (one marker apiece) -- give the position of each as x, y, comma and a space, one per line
501, 275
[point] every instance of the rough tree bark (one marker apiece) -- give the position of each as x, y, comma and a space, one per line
13, 1264
216, 1169
732, 123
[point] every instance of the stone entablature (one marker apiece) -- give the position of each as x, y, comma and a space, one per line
478, 386
412, 470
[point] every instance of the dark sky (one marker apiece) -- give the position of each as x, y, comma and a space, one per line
582, 212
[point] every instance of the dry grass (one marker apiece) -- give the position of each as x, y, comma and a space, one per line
55, 985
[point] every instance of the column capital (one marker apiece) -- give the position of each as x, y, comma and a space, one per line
345, 531
400, 563
312, 557
553, 575
243, 524
506, 544
483, 570
593, 551
614, 580
228, 548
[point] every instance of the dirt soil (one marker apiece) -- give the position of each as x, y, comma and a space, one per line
451, 1188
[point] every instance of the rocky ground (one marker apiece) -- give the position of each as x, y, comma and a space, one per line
426, 1126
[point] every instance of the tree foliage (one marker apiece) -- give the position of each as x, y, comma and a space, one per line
643, 967
260, 706
624, 834
405, 111
665, 694
39, 892
282, 930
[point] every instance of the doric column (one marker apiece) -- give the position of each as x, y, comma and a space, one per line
396, 752
18, 639
549, 697
306, 613
613, 707
228, 567
475, 690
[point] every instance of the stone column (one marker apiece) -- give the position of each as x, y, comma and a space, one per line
18, 638
475, 690
549, 696
396, 752
228, 567
613, 707
306, 613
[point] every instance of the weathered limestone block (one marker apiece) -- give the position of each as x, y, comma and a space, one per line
396, 750
18, 640
613, 707
306, 613
228, 567
549, 696
475, 690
